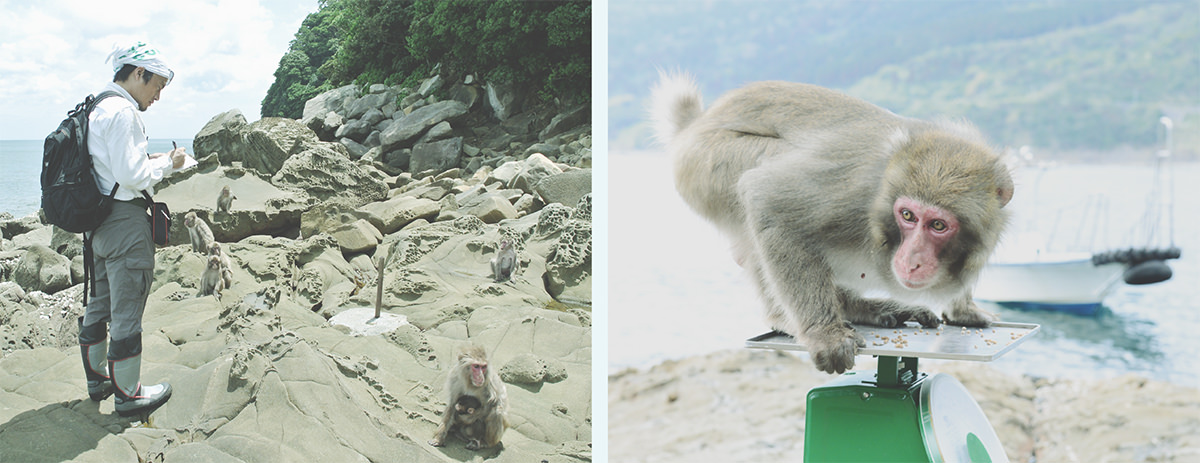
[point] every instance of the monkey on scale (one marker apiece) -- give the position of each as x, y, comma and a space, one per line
477, 405
842, 212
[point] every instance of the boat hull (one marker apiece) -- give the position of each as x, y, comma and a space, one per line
1072, 285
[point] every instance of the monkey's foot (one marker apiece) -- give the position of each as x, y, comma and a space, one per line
833, 347
436, 443
473, 444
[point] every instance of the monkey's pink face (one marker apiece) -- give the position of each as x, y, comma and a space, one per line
924, 231
478, 374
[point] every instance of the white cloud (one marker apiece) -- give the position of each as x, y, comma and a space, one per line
223, 52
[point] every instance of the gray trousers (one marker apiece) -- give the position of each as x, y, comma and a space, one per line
124, 256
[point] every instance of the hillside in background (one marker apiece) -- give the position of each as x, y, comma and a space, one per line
1059, 76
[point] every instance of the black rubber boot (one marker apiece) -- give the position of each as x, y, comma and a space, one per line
93, 344
125, 363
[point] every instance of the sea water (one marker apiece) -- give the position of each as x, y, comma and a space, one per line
675, 291
21, 169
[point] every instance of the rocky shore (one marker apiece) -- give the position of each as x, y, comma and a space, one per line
748, 405
290, 364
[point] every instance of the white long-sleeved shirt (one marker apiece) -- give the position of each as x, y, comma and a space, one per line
117, 143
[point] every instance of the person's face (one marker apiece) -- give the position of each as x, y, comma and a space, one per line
146, 93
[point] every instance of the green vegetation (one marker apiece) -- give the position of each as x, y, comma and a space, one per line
399, 42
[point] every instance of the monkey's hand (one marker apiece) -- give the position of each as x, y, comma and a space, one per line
964, 312
833, 347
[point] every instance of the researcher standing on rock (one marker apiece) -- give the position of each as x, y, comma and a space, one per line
124, 248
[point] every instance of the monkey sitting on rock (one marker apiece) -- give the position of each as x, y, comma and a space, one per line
472, 382
840, 210
225, 200
198, 232
211, 280
505, 262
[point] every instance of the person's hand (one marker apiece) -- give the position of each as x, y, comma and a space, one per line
178, 156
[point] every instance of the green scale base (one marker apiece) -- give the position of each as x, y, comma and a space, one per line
897, 413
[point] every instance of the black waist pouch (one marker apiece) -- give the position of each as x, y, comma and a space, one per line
160, 220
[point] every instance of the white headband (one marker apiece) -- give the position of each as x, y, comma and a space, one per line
140, 54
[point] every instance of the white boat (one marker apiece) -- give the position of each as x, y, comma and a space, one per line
1023, 274
1065, 282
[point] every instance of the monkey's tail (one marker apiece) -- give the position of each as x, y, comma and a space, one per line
674, 103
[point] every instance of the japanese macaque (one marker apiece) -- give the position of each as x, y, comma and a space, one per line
214, 249
505, 261
840, 210
472, 377
211, 281
198, 231
225, 200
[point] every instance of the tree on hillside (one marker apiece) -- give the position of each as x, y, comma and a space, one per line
297, 79
546, 43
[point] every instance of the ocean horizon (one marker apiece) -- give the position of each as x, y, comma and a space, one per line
21, 172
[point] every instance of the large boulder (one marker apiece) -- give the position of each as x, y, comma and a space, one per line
222, 134
358, 107
42, 269
437, 156
318, 107
535, 168
269, 142
393, 214
504, 99
566, 121
324, 173
565, 188
407, 128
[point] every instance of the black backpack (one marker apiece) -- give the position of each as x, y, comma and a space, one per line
70, 198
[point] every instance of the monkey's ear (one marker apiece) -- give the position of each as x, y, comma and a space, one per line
1005, 191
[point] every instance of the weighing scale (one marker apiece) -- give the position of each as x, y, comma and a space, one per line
897, 413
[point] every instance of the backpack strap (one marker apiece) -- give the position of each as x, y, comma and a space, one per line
89, 262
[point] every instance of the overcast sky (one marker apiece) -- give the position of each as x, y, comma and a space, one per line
224, 54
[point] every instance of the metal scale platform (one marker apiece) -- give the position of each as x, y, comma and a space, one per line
897, 413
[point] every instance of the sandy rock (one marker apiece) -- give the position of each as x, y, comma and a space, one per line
270, 141
356, 237
66, 243
222, 134
324, 174
260, 207
490, 209
565, 188
535, 168
531, 369
397, 212
42, 269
